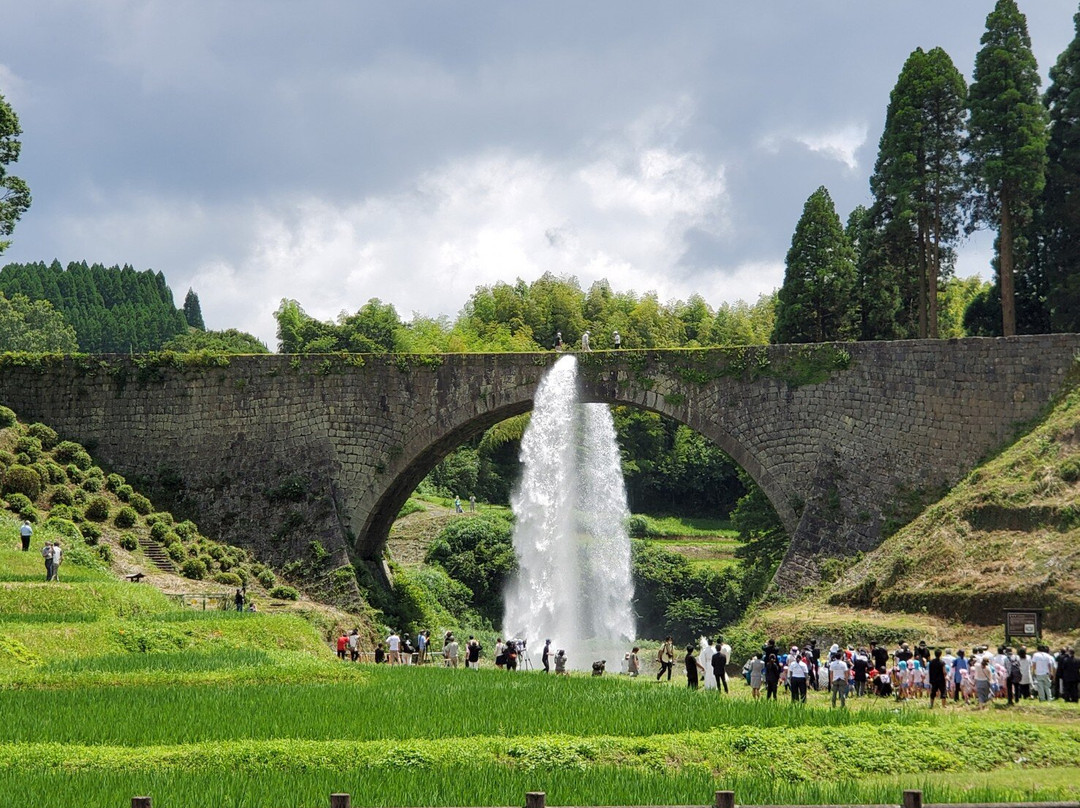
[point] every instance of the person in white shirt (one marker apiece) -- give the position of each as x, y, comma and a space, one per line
797, 671
838, 678
1042, 668
57, 556
393, 646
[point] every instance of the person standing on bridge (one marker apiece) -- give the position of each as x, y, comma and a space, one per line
585, 342
616, 340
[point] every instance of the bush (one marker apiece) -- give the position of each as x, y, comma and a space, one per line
68, 451
141, 504
266, 577
229, 578
126, 517
18, 502
124, 492
55, 472
30, 446
113, 482
187, 530
61, 496
283, 592
158, 531
22, 480
7, 417
6, 458
175, 550
161, 516
129, 542
74, 473
193, 568
63, 512
65, 527
45, 434
97, 510
79, 496
105, 552
92, 484
91, 532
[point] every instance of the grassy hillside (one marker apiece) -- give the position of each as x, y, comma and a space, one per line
1007, 536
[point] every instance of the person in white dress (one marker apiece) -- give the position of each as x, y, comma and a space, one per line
705, 660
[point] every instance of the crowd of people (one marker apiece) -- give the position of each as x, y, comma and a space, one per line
1012, 673
906, 672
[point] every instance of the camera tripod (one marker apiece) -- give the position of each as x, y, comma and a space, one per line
524, 662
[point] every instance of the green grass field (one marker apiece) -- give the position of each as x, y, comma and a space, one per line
109, 690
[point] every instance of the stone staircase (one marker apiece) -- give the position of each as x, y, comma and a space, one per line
156, 555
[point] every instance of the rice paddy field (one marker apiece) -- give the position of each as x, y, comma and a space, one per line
108, 690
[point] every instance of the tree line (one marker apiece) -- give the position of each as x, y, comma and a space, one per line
952, 159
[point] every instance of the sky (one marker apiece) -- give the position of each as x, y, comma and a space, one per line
332, 151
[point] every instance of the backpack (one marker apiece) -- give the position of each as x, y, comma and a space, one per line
1014, 671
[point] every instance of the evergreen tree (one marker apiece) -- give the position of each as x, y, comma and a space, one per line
1006, 143
1060, 220
193, 311
14, 192
817, 300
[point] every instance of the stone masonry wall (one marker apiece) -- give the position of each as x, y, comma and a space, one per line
839, 437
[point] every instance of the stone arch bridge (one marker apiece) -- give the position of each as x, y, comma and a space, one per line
277, 452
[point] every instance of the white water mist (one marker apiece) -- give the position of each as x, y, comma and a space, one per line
574, 582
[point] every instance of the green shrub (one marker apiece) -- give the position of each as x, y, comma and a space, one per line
91, 484
193, 568
55, 472
91, 532
63, 512
47, 435
68, 451
141, 504
158, 531
22, 480
124, 493
30, 446
96, 471
97, 510
283, 592
16, 502
6, 458
7, 417
217, 552
129, 542
187, 530
29, 513
61, 496
79, 496
74, 473
105, 552
175, 550
229, 578
411, 506
113, 482
266, 577
126, 517
160, 516
65, 527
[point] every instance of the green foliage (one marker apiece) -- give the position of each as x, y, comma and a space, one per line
114, 482
14, 192
478, 552
283, 592
187, 530
817, 301
293, 488
1007, 138
266, 577
18, 502
1060, 220
92, 484
372, 329
33, 326
22, 480
65, 528
227, 578
193, 311
411, 506
427, 597
112, 310
229, 341
73, 454
91, 532
124, 492
7, 417
126, 517
97, 510
764, 538
140, 504
193, 568
30, 446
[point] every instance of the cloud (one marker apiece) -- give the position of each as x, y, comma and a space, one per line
840, 143
623, 209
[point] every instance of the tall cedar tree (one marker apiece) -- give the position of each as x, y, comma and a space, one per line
918, 185
14, 192
1006, 142
193, 311
1061, 197
817, 301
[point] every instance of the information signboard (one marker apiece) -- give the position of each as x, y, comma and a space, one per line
1023, 624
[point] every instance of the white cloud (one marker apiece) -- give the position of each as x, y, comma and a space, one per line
840, 143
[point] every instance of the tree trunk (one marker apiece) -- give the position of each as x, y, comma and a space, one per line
923, 275
935, 269
1005, 269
